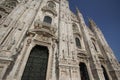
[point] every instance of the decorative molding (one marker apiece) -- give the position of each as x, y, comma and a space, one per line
43, 39
5, 53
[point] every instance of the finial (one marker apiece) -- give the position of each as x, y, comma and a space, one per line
91, 22
77, 10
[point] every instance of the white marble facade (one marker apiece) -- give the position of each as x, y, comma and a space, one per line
76, 51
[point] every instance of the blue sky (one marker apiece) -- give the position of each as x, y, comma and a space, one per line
106, 14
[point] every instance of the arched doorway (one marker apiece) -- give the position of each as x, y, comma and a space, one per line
36, 67
84, 72
105, 73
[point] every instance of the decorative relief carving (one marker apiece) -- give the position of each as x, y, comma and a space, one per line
64, 73
6, 7
42, 38
102, 59
63, 61
11, 43
83, 57
82, 51
68, 62
52, 10
5, 53
65, 70
28, 41
37, 24
75, 74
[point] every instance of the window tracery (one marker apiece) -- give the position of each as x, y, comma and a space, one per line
78, 43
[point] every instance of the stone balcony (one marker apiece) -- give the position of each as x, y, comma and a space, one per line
43, 28
52, 10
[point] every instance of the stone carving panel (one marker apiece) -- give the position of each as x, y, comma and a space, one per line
49, 9
74, 75
42, 38
5, 53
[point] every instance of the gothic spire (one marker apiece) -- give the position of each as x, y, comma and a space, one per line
91, 22
77, 10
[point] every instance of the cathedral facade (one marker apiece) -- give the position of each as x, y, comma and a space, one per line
44, 40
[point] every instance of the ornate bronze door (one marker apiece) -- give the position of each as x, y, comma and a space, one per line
36, 66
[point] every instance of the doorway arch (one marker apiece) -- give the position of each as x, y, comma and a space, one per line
36, 66
83, 72
105, 73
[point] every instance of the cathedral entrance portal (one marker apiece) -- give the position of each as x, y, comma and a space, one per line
105, 73
36, 67
83, 72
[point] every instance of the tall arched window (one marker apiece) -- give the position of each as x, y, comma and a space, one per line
48, 19
83, 72
51, 4
105, 73
78, 44
94, 46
